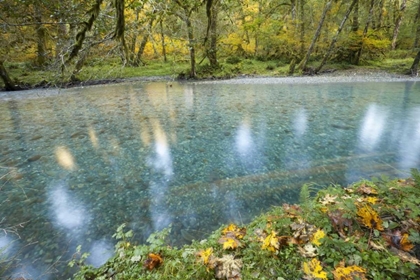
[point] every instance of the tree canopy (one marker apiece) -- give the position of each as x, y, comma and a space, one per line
65, 34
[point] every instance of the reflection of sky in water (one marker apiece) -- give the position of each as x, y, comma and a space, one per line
372, 127
189, 96
100, 252
409, 147
243, 140
6, 246
67, 212
300, 122
194, 155
161, 162
296, 150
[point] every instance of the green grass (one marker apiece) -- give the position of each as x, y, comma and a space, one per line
112, 68
394, 65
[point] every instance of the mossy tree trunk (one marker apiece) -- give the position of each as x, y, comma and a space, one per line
8, 83
417, 27
303, 63
335, 38
162, 40
365, 31
398, 22
144, 40
41, 33
187, 10
301, 27
414, 68
85, 27
212, 9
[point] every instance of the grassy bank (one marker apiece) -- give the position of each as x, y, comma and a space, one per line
111, 70
369, 230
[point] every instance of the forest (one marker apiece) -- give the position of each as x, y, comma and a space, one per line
53, 42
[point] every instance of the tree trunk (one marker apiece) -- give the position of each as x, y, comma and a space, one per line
355, 24
257, 30
9, 85
186, 17
144, 41
162, 39
212, 50
301, 27
379, 21
81, 34
41, 33
334, 40
302, 64
191, 46
417, 27
365, 31
353, 49
414, 68
61, 39
398, 22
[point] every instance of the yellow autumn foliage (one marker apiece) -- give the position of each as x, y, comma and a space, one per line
271, 242
349, 273
205, 255
319, 234
313, 269
370, 217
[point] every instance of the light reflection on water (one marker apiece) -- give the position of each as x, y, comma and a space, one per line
78, 163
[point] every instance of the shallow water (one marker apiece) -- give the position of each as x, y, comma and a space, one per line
77, 163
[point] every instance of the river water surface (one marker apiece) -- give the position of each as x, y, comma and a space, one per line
77, 163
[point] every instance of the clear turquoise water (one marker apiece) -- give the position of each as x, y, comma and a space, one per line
77, 163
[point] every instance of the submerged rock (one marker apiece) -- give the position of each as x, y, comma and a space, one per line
34, 158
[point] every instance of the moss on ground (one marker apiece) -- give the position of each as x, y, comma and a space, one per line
110, 70
369, 230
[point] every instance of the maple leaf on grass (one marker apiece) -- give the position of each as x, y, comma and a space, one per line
308, 251
233, 230
353, 272
366, 189
293, 211
371, 200
342, 225
313, 270
317, 236
153, 261
271, 242
370, 217
231, 236
205, 255
398, 240
328, 199
229, 242
228, 267
302, 231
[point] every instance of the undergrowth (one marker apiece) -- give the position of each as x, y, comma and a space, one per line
369, 230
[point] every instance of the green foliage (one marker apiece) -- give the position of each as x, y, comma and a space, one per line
415, 173
233, 60
277, 244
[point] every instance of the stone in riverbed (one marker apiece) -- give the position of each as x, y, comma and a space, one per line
34, 158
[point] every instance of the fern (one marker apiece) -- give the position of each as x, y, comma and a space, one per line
305, 197
415, 173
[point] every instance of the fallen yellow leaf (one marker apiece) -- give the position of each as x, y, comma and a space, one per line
370, 217
271, 242
205, 255
349, 273
319, 234
314, 270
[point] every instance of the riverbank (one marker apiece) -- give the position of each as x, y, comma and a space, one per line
29, 78
369, 230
